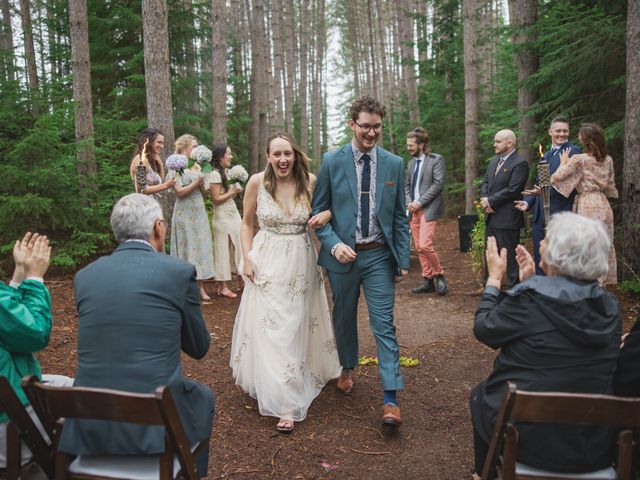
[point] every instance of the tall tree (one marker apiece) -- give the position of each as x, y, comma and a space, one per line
405, 25
524, 14
29, 50
7, 41
219, 80
83, 105
631, 174
156, 69
289, 19
304, 69
318, 64
279, 78
469, 19
257, 105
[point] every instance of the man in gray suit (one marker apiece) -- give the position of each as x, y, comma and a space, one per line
423, 187
138, 309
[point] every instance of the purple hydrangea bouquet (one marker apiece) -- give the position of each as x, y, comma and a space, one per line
177, 163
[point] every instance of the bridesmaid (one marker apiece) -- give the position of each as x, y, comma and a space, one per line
226, 221
151, 161
190, 232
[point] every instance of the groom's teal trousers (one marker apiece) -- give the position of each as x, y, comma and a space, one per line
374, 270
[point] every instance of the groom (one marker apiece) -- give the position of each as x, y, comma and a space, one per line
366, 243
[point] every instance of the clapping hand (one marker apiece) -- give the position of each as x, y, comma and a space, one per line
525, 263
496, 263
31, 256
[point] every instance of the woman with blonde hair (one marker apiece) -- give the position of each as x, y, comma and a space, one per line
225, 222
190, 231
283, 350
591, 175
148, 155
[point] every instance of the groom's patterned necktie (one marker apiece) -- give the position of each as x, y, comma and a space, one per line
365, 185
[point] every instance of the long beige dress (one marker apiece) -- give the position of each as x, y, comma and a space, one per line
594, 182
225, 224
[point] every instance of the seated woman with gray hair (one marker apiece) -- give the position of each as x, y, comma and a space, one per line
558, 332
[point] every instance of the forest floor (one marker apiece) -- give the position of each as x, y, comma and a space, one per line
342, 437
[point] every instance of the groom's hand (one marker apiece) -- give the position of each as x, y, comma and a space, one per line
344, 254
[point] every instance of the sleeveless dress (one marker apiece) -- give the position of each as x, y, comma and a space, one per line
225, 224
190, 232
593, 182
283, 350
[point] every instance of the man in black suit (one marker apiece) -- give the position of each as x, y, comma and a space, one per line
138, 309
503, 183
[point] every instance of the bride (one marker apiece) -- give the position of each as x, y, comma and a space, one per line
283, 350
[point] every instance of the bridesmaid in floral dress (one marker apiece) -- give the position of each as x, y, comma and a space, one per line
226, 220
151, 161
591, 175
190, 232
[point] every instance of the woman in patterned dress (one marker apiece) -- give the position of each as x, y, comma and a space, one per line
150, 159
190, 231
591, 175
283, 350
225, 221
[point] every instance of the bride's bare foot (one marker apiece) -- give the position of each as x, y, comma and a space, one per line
203, 296
285, 425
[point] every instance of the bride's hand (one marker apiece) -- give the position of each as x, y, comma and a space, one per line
248, 271
320, 220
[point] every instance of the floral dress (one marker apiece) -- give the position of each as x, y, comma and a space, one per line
190, 232
594, 182
283, 350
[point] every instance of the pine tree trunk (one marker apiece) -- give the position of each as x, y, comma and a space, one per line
7, 42
320, 41
304, 69
290, 62
354, 48
278, 77
29, 50
155, 35
53, 64
83, 105
191, 63
631, 172
257, 110
219, 65
469, 14
236, 55
524, 14
408, 60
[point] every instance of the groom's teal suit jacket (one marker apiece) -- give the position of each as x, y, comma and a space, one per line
336, 190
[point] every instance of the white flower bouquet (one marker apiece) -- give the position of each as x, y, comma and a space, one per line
237, 176
202, 155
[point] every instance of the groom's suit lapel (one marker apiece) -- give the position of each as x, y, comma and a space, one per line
381, 175
350, 170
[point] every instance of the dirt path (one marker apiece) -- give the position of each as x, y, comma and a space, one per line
342, 438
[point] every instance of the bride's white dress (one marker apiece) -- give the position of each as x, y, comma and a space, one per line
283, 350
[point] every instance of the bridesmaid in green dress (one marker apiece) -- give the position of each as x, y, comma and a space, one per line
190, 232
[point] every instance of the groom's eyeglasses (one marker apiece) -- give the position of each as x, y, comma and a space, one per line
367, 128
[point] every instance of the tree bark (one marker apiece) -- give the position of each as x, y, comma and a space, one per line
353, 47
278, 78
320, 42
408, 59
29, 50
257, 110
191, 64
524, 14
304, 69
219, 65
469, 13
155, 36
83, 105
289, 62
631, 169
7, 41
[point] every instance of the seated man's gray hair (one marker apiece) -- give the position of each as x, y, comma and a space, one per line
577, 246
133, 217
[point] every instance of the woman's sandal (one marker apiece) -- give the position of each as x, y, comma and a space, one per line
225, 292
285, 426
204, 297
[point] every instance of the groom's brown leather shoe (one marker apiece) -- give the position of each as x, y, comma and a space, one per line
345, 382
391, 414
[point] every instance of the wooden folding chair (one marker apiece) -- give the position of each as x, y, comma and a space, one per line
571, 408
54, 403
21, 427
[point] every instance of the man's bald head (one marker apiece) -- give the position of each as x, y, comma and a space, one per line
504, 142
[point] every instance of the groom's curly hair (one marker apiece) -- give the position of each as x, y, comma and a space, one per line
366, 104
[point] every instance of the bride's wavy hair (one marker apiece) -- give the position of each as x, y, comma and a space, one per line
300, 171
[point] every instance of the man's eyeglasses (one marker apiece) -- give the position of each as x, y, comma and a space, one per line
367, 128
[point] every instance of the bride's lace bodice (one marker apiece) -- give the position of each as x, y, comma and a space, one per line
271, 216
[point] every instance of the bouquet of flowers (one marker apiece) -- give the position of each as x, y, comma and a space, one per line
202, 155
237, 175
177, 163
